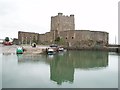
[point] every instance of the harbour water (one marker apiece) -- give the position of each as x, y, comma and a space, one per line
70, 69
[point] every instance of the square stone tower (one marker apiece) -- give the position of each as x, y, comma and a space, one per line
62, 22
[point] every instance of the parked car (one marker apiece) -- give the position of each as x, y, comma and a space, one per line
7, 43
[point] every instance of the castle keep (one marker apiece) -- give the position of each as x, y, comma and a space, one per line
63, 32
62, 23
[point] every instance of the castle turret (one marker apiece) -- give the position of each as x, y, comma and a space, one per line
60, 14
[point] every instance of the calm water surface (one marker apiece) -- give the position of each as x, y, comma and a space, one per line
71, 69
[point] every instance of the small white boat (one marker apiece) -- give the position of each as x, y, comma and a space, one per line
50, 51
61, 49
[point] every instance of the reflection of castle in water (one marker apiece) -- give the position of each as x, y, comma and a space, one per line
62, 65
61, 70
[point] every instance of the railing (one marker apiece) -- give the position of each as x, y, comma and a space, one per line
113, 45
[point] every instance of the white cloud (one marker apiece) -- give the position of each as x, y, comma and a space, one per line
35, 15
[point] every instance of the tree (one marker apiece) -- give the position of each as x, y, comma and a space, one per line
59, 40
7, 39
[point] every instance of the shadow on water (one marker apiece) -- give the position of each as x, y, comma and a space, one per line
63, 65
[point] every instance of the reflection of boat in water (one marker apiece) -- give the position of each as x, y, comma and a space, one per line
61, 53
51, 56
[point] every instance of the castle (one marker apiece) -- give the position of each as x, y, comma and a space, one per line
63, 32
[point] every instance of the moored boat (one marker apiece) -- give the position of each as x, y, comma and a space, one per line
50, 51
54, 47
60, 49
19, 50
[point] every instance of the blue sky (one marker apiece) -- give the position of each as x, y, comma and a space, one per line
35, 15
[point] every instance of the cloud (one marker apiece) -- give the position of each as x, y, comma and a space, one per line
7, 7
35, 15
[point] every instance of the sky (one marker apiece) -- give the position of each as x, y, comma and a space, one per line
35, 16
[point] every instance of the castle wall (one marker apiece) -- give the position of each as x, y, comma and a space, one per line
46, 38
70, 38
41, 38
27, 37
100, 37
49, 37
84, 38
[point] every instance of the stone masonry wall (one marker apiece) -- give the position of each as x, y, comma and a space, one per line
70, 38
62, 22
41, 38
84, 38
27, 37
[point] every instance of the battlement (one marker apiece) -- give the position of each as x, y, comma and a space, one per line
60, 14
